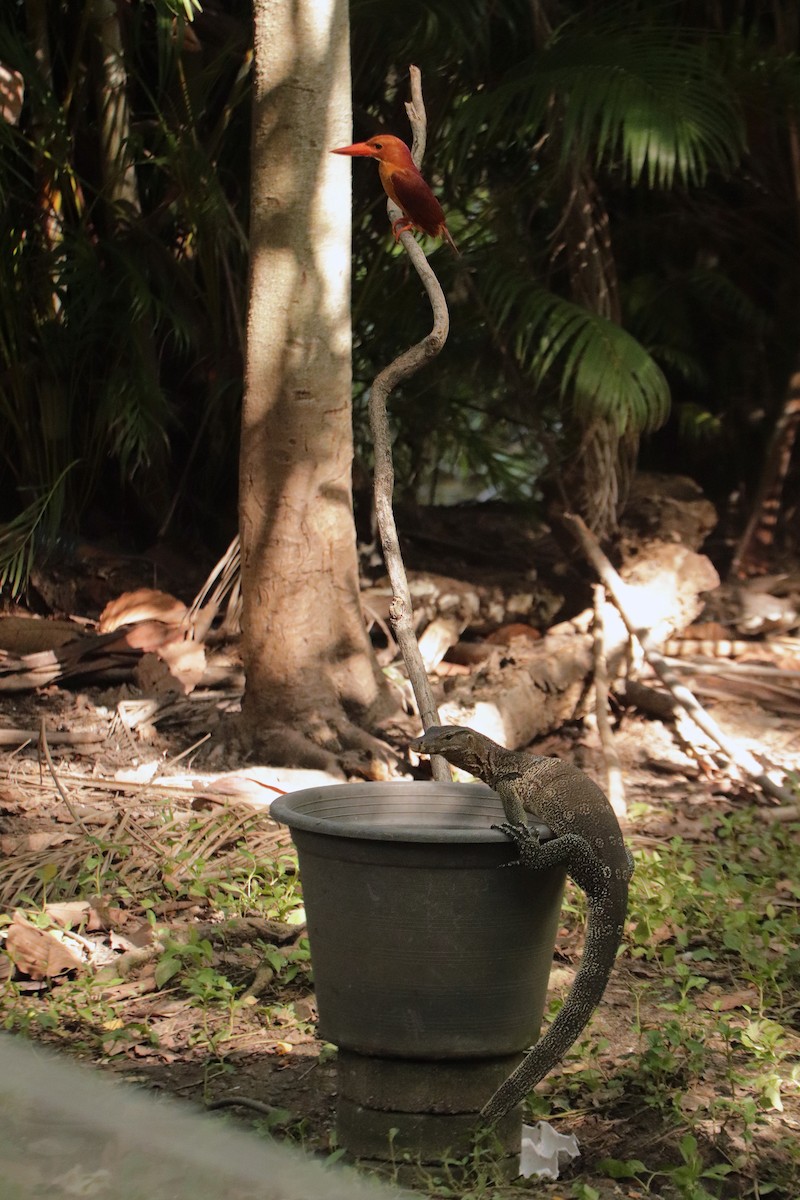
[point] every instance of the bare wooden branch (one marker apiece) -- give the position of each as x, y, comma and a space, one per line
401, 613
417, 116
615, 785
651, 701
618, 590
787, 812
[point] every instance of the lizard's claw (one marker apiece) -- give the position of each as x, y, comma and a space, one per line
507, 830
526, 840
517, 833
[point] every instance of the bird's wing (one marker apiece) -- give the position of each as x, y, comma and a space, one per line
417, 201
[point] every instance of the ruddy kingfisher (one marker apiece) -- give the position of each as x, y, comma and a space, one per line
403, 184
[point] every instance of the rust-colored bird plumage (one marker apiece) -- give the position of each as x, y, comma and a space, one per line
403, 184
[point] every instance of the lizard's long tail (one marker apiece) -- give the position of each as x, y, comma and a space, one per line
603, 935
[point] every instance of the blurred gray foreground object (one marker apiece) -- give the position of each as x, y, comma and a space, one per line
67, 1130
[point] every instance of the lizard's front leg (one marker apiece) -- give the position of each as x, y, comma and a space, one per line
568, 850
527, 843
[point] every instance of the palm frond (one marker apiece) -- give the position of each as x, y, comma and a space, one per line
648, 99
696, 424
718, 293
609, 375
20, 537
597, 365
681, 364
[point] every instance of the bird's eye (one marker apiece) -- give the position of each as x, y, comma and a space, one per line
378, 145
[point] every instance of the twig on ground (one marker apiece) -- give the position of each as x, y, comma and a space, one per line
195, 746
44, 750
401, 613
267, 1110
70, 737
130, 961
617, 589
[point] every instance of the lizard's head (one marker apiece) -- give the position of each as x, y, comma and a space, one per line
461, 746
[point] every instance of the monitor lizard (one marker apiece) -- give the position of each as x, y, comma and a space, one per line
588, 842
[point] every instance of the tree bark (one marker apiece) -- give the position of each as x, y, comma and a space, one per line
756, 547
111, 94
599, 476
308, 660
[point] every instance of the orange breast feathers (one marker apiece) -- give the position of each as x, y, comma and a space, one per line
403, 184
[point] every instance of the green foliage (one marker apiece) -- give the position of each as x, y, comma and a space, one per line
650, 96
731, 897
653, 113
78, 1010
177, 955
124, 336
121, 350
609, 375
19, 536
187, 8
288, 961
584, 1191
716, 923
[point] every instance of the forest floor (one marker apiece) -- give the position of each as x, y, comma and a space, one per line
154, 926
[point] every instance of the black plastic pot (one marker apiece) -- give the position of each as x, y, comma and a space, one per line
425, 951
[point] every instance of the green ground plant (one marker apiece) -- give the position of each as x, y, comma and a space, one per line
716, 927
701, 1087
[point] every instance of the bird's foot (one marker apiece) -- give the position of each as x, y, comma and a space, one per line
401, 225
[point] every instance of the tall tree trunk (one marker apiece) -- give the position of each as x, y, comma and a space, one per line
308, 660
50, 231
753, 554
598, 479
111, 92
754, 550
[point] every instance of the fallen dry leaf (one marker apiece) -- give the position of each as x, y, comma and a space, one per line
39, 953
445, 667
186, 660
30, 635
106, 916
143, 604
145, 1050
145, 636
727, 1001
306, 1008
174, 668
132, 989
507, 633
662, 933
11, 844
69, 913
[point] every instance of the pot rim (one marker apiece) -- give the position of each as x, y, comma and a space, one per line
299, 810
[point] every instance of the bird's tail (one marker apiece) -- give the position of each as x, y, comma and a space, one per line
447, 237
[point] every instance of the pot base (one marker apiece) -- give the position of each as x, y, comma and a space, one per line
420, 1111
